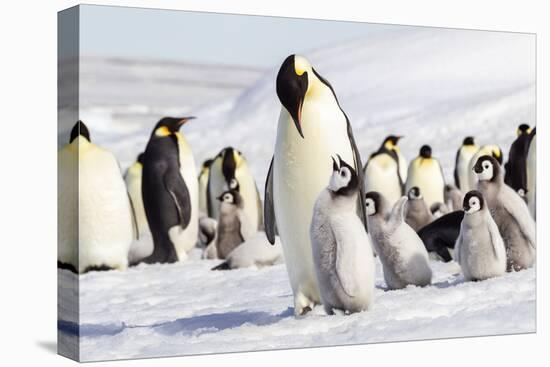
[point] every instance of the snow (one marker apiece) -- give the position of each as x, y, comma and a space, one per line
185, 308
431, 85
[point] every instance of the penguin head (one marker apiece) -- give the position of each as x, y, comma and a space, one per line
473, 202
293, 83
206, 166
391, 142
414, 193
523, 129
231, 160
487, 168
344, 180
231, 197
373, 203
169, 125
79, 129
426, 152
469, 140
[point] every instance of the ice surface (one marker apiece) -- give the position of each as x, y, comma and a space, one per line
432, 86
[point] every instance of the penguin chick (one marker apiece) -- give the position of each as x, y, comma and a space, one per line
402, 254
453, 197
207, 231
342, 253
255, 251
233, 225
509, 212
479, 247
417, 212
492, 150
439, 209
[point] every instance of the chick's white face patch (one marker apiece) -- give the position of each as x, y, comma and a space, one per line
339, 179
474, 205
370, 206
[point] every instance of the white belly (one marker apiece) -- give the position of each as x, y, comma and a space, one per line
429, 180
302, 168
381, 176
463, 170
142, 247
67, 206
105, 222
185, 240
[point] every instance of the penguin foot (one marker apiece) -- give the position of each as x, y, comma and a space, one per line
305, 310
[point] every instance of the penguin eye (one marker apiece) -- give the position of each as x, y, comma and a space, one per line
486, 165
344, 172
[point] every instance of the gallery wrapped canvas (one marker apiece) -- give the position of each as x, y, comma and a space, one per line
241, 183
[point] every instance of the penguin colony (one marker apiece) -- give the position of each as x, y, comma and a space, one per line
323, 211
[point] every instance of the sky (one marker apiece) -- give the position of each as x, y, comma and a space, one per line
211, 38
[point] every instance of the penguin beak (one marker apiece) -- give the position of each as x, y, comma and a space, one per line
466, 207
183, 120
291, 90
334, 165
220, 198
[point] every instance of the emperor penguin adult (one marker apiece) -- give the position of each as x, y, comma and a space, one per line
170, 192
142, 246
93, 199
203, 186
342, 252
515, 169
229, 170
510, 213
479, 248
462, 161
402, 253
532, 174
492, 150
384, 170
312, 128
426, 173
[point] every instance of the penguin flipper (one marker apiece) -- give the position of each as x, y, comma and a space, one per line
455, 173
397, 215
269, 210
360, 173
179, 192
260, 208
209, 204
516, 207
458, 244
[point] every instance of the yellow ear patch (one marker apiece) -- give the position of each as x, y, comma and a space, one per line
496, 152
389, 145
162, 131
301, 65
